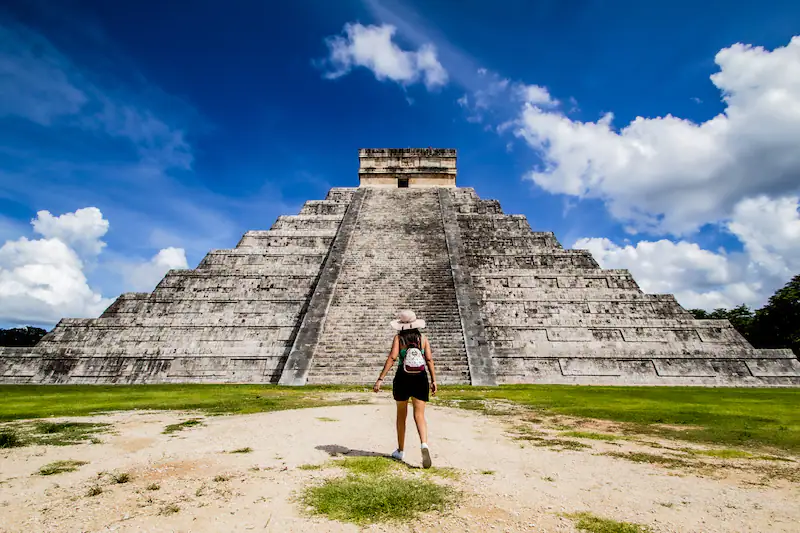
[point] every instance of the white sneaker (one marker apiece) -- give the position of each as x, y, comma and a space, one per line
397, 454
426, 456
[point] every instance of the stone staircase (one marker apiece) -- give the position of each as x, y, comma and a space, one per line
397, 258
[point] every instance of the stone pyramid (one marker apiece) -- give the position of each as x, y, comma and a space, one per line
309, 301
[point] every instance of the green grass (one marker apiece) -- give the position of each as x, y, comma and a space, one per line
310, 467
94, 490
327, 419
180, 426
369, 498
120, 477
65, 433
378, 489
243, 450
371, 466
721, 454
50, 433
488, 472
446, 472
59, 467
591, 435
747, 417
642, 457
40, 401
594, 524
169, 509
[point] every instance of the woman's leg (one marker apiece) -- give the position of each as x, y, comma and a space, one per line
419, 418
402, 414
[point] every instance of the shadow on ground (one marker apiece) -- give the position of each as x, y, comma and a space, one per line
334, 450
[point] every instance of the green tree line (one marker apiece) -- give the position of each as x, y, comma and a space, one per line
21, 337
776, 325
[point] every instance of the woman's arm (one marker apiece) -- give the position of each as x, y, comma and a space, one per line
429, 362
393, 353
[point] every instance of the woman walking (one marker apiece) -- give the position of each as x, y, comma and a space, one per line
410, 380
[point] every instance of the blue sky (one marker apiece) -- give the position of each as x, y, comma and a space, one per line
185, 127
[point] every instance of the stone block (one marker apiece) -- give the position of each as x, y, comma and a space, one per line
684, 368
773, 367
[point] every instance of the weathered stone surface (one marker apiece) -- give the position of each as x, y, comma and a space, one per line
310, 300
397, 258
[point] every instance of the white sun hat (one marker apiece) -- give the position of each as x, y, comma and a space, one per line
407, 319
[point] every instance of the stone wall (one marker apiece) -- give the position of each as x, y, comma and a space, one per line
554, 316
232, 319
420, 166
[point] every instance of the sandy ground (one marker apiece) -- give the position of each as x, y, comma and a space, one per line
528, 490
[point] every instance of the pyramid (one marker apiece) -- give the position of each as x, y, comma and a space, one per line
309, 302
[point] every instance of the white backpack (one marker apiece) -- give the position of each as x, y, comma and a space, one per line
414, 361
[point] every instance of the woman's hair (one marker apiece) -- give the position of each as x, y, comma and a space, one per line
410, 337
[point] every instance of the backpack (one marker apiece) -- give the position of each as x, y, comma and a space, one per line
414, 361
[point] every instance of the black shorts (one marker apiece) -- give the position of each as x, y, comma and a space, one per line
405, 386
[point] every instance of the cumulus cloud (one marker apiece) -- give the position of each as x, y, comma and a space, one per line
673, 175
769, 231
82, 229
44, 280
536, 94
145, 276
373, 48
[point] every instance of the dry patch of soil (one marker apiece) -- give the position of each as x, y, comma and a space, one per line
519, 471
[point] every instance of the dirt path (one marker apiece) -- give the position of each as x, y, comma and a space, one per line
510, 484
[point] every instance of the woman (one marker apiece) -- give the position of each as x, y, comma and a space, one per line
410, 382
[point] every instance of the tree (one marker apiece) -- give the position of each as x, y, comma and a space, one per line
21, 337
740, 317
777, 324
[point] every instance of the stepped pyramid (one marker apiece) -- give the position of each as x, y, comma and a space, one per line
310, 300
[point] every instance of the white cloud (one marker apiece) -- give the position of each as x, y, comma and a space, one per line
769, 231
536, 94
43, 280
145, 276
82, 229
373, 47
672, 175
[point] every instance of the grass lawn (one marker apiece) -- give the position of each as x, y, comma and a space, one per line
725, 416
733, 417
39, 401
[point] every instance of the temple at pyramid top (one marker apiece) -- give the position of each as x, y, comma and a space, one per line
407, 167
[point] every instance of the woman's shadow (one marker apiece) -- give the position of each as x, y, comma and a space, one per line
334, 450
